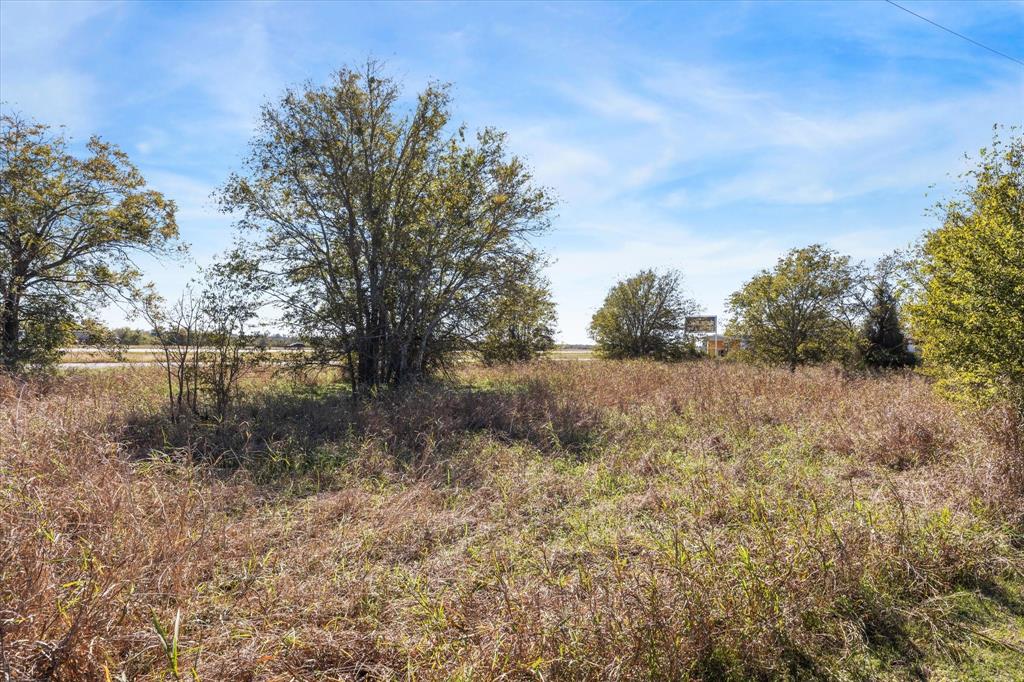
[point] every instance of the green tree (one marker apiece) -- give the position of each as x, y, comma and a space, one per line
68, 230
882, 343
128, 336
386, 240
801, 311
968, 315
644, 317
522, 323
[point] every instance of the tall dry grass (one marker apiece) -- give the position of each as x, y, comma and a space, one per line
558, 521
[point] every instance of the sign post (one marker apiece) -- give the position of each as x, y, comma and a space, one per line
707, 324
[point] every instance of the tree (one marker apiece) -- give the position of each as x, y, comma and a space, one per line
386, 240
133, 337
881, 343
644, 316
207, 339
522, 324
801, 311
178, 330
969, 312
68, 230
231, 346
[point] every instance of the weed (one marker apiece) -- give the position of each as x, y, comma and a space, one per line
557, 520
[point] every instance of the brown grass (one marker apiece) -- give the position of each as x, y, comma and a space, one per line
560, 521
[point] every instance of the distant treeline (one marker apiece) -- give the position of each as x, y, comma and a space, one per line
129, 336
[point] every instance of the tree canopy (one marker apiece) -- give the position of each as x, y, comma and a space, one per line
387, 237
69, 228
643, 316
800, 311
969, 313
882, 343
521, 324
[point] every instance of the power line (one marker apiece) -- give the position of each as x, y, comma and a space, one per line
958, 35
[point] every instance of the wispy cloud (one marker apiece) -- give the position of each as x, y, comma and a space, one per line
708, 137
229, 61
38, 78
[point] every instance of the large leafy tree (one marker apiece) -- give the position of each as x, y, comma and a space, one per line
969, 313
800, 311
69, 227
644, 316
521, 325
386, 237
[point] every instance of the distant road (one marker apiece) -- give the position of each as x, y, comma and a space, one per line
84, 357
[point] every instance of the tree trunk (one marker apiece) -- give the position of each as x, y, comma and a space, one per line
10, 331
366, 362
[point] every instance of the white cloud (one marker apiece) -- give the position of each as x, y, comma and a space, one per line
59, 98
38, 79
757, 146
681, 155
230, 61
38, 27
679, 140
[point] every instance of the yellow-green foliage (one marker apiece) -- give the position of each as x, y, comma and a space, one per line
644, 316
521, 324
969, 317
68, 229
798, 312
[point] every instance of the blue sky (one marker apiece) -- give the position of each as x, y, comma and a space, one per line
705, 137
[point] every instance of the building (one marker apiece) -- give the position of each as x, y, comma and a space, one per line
718, 345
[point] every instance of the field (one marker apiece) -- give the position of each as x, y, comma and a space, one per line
88, 355
153, 354
561, 520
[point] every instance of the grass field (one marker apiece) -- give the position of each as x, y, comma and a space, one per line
560, 521
151, 354
97, 355
132, 355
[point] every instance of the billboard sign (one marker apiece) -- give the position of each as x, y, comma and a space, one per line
702, 325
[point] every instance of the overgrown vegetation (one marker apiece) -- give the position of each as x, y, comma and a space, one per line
573, 520
387, 509
969, 315
207, 340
